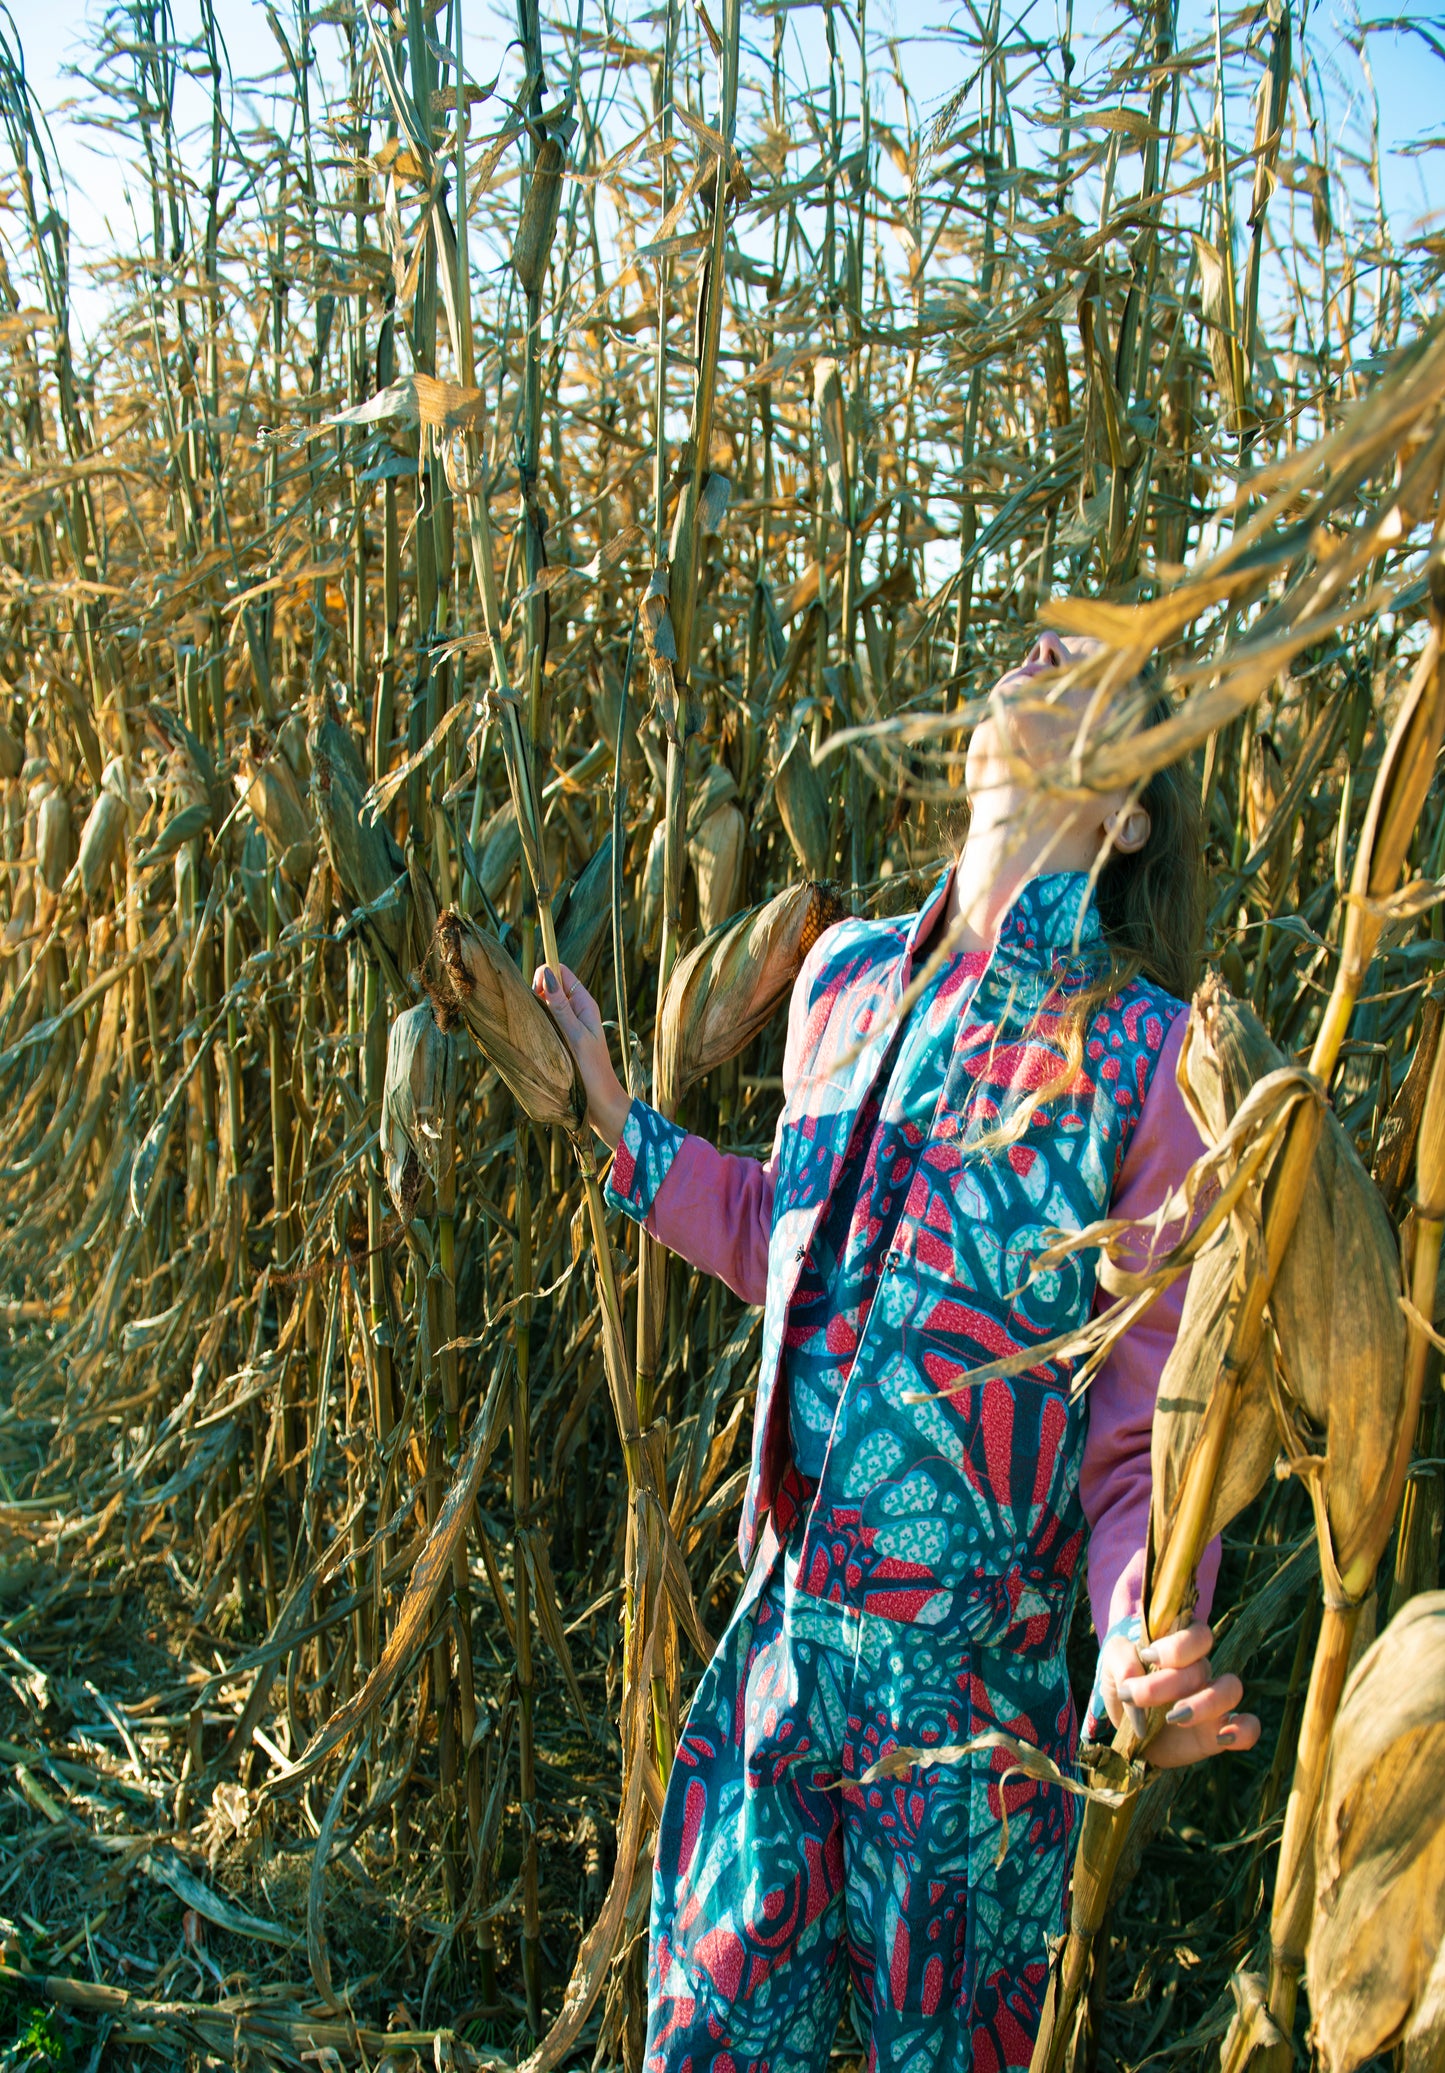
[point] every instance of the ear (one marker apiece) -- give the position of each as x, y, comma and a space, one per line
1128, 830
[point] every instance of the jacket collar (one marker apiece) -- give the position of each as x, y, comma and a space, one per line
1053, 920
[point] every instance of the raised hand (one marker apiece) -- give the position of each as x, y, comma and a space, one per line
579, 1018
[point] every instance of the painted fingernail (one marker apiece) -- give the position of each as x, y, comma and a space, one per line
1149, 1654
1229, 1727
1129, 1688
1137, 1718
1180, 1715
549, 978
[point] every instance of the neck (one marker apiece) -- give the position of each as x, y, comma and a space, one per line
997, 860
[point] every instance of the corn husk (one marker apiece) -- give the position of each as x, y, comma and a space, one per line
1189, 1375
1341, 1336
12, 754
1225, 1054
803, 806
331, 734
267, 784
54, 840
715, 786
191, 767
717, 851
1377, 1944
101, 842
183, 827
191, 805
1336, 1316
291, 741
517, 1036
584, 916
1262, 794
732, 984
420, 1074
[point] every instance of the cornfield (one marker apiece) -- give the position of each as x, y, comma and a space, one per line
558, 512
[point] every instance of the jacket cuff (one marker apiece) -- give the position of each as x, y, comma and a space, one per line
1097, 1723
645, 1152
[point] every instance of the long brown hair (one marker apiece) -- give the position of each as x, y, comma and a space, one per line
1151, 904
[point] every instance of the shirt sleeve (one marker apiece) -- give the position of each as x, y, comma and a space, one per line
1116, 1480
713, 1208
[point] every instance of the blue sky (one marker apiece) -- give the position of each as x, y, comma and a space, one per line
1408, 77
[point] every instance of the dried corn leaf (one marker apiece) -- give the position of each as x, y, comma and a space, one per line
431, 1574
717, 852
584, 917
803, 806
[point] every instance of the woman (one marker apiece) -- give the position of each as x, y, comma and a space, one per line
914, 1537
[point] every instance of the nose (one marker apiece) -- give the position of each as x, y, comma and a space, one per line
1047, 652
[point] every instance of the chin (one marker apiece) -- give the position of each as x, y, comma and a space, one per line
981, 761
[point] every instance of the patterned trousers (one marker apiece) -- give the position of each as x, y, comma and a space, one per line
779, 1876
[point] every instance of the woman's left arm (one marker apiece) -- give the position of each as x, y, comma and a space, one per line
1115, 1483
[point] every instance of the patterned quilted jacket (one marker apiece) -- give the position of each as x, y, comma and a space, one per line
942, 1501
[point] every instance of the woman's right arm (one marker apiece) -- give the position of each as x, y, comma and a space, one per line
713, 1208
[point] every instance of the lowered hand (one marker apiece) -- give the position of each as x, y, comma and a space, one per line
1174, 1672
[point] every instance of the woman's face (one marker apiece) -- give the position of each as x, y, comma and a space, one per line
1025, 729
1040, 731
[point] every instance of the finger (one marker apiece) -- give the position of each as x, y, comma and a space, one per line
1136, 1715
571, 984
1212, 1703
1173, 1651
581, 1001
1175, 1746
1163, 1687
546, 986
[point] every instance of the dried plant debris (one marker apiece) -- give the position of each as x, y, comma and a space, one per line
459, 527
